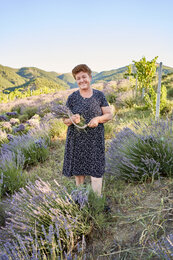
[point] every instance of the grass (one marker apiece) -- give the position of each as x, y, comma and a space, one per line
140, 213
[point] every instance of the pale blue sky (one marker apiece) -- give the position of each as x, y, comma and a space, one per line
56, 35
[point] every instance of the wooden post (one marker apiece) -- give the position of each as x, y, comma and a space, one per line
136, 86
159, 91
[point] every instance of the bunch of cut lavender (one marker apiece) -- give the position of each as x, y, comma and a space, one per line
164, 247
144, 154
62, 111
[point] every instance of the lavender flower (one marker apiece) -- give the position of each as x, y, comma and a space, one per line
3, 118
80, 196
146, 153
164, 247
20, 128
14, 113
44, 220
61, 111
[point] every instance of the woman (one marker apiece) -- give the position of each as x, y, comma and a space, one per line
85, 150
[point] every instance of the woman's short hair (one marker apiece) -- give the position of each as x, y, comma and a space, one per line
79, 68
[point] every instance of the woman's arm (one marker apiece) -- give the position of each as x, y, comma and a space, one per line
107, 115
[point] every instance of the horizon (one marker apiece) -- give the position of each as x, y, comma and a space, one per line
56, 36
71, 72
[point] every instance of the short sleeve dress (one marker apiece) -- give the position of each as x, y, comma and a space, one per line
85, 150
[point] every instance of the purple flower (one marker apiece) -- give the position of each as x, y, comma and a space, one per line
3, 118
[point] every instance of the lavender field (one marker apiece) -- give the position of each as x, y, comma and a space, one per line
44, 216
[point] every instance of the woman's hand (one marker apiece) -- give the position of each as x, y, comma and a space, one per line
76, 118
94, 122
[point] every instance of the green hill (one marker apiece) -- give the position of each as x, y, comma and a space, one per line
38, 84
110, 75
29, 78
68, 78
9, 78
25, 77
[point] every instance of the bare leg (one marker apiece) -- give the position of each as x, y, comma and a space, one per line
96, 184
79, 180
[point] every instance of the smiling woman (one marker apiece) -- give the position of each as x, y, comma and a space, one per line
85, 150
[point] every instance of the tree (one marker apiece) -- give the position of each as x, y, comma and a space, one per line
145, 72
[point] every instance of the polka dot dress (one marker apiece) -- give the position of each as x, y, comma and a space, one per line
85, 149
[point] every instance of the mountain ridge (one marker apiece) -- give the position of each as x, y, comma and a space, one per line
28, 77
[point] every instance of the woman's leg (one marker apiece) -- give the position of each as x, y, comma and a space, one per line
79, 180
96, 184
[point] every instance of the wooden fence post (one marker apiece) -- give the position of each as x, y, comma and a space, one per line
159, 92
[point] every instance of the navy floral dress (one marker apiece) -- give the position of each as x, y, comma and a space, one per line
85, 150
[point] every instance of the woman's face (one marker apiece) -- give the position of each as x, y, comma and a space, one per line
83, 80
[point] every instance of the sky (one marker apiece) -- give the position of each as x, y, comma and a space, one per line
57, 35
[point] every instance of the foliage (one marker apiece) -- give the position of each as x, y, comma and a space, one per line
57, 128
9, 78
109, 129
170, 93
18, 153
11, 171
47, 216
147, 154
164, 247
111, 97
145, 71
23, 118
3, 137
151, 98
30, 111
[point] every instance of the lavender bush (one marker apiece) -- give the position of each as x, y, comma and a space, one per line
3, 118
33, 145
46, 217
49, 247
145, 153
18, 153
11, 171
3, 137
164, 247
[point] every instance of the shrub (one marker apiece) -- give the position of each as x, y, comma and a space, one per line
47, 219
57, 128
6, 126
3, 137
33, 145
11, 171
164, 247
109, 129
30, 111
23, 118
166, 109
16, 108
111, 97
170, 93
143, 155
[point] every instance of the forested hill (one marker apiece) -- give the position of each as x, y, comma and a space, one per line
35, 78
29, 78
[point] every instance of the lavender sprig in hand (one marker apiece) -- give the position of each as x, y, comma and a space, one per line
62, 111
